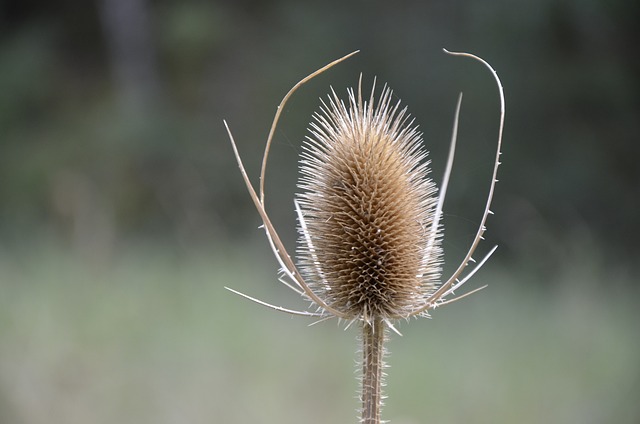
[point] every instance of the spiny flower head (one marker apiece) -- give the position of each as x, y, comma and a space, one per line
367, 207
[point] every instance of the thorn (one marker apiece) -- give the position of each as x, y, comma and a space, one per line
481, 238
472, 260
490, 212
394, 329
349, 324
321, 320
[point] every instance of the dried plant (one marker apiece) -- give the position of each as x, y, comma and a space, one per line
369, 249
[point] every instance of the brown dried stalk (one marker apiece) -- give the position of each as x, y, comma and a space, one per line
369, 222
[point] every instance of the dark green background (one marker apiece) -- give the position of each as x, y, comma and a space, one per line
147, 142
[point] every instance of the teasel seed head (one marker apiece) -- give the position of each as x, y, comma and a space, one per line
369, 221
367, 207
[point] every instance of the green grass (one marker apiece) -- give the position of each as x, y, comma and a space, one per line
152, 337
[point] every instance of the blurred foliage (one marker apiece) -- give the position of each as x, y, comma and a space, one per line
153, 338
95, 160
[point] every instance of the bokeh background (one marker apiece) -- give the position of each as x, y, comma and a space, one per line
123, 214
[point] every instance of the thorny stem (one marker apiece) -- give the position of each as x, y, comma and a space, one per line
372, 369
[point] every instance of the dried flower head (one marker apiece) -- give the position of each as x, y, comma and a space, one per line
369, 249
367, 208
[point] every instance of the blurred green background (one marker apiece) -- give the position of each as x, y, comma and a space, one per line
123, 214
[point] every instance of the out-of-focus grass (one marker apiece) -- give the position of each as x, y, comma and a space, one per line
152, 337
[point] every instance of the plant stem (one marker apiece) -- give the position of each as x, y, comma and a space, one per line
372, 365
